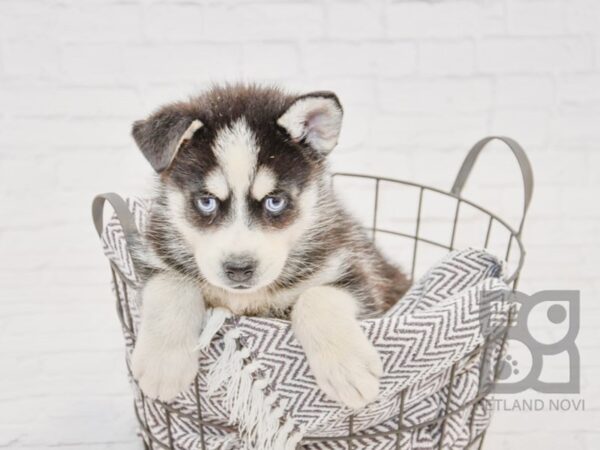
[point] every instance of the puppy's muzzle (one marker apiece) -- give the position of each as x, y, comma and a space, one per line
239, 270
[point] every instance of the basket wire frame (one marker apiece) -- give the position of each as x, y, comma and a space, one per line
497, 339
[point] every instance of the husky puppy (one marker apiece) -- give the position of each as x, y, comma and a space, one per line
245, 218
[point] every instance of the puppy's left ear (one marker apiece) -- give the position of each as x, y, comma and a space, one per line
314, 118
160, 136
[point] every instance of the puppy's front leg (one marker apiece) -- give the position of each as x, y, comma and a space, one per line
163, 361
345, 364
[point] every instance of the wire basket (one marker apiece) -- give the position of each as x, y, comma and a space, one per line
417, 242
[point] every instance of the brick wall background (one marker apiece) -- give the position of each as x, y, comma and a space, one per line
420, 82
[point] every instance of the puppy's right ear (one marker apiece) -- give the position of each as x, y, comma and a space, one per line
315, 118
161, 135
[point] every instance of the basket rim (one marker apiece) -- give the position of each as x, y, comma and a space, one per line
514, 234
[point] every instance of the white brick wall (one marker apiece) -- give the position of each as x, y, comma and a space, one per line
420, 81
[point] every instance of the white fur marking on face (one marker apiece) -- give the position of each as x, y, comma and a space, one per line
236, 150
264, 183
216, 184
191, 129
316, 119
271, 249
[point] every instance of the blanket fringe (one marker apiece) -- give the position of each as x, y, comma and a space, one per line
257, 411
213, 321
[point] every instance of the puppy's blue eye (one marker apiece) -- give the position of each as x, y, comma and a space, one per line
207, 204
274, 204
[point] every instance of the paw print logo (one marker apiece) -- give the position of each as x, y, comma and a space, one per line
508, 368
543, 334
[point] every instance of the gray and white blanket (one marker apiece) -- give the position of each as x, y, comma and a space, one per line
255, 389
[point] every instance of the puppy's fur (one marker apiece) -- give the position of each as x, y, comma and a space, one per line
245, 217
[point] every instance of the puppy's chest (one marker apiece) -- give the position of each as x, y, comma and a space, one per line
259, 303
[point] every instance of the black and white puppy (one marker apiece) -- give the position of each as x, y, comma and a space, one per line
245, 218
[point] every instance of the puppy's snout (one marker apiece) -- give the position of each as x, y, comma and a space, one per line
239, 270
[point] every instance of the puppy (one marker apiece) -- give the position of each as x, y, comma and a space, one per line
244, 217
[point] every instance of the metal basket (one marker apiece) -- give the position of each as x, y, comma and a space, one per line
418, 243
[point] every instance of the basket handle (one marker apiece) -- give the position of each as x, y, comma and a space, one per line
522, 159
121, 210
123, 215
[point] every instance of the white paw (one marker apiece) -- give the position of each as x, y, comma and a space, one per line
163, 373
349, 373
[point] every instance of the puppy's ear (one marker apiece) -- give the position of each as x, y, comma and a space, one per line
160, 136
314, 118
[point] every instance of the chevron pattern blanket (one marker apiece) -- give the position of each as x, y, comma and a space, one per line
255, 389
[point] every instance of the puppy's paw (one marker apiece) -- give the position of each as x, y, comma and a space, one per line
163, 373
349, 373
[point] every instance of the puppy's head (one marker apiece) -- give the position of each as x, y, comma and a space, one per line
240, 167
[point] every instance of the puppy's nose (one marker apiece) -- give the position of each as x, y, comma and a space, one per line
239, 270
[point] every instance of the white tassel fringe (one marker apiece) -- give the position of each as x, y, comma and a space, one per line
260, 422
